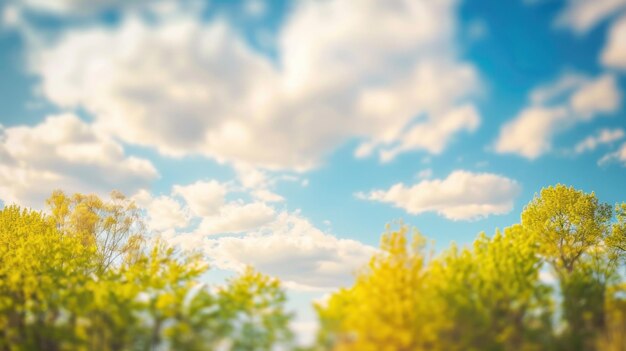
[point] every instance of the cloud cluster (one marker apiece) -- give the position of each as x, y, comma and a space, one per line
384, 72
204, 198
237, 218
462, 195
554, 108
237, 233
163, 213
294, 250
64, 152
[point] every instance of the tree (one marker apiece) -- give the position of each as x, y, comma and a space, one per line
571, 229
68, 281
491, 297
385, 308
567, 223
255, 305
41, 275
616, 242
613, 337
115, 227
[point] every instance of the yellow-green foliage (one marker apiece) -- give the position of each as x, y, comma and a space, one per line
385, 309
85, 277
254, 303
70, 282
491, 296
566, 223
42, 273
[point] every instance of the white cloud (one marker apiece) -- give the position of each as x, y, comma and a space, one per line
282, 244
555, 108
257, 182
529, 134
563, 86
266, 195
604, 136
461, 196
66, 153
618, 156
250, 177
434, 135
595, 97
200, 207
237, 218
583, 15
163, 213
187, 87
204, 198
292, 249
614, 54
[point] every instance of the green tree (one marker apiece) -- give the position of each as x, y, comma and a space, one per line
491, 297
40, 273
571, 229
78, 280
385, 309
254, 303
115, 227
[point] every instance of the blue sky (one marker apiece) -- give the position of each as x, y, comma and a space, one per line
286, 134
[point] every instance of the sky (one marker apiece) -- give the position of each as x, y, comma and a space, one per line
286, 134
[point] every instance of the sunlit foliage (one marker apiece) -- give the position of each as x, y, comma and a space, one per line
85, 275
552, 282
86, 278
385, 308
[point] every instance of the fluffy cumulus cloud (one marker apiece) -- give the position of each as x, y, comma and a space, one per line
237, 218
204, 198
599, 96
461, 196
614, 54
434, 136
163, 213
554, 108
583, 15
259, 183
384, 72
66, 153
604, 136
238, 233
530, 133
290, 248
202, 208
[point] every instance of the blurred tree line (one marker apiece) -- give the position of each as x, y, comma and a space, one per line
555, 281
85, 276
